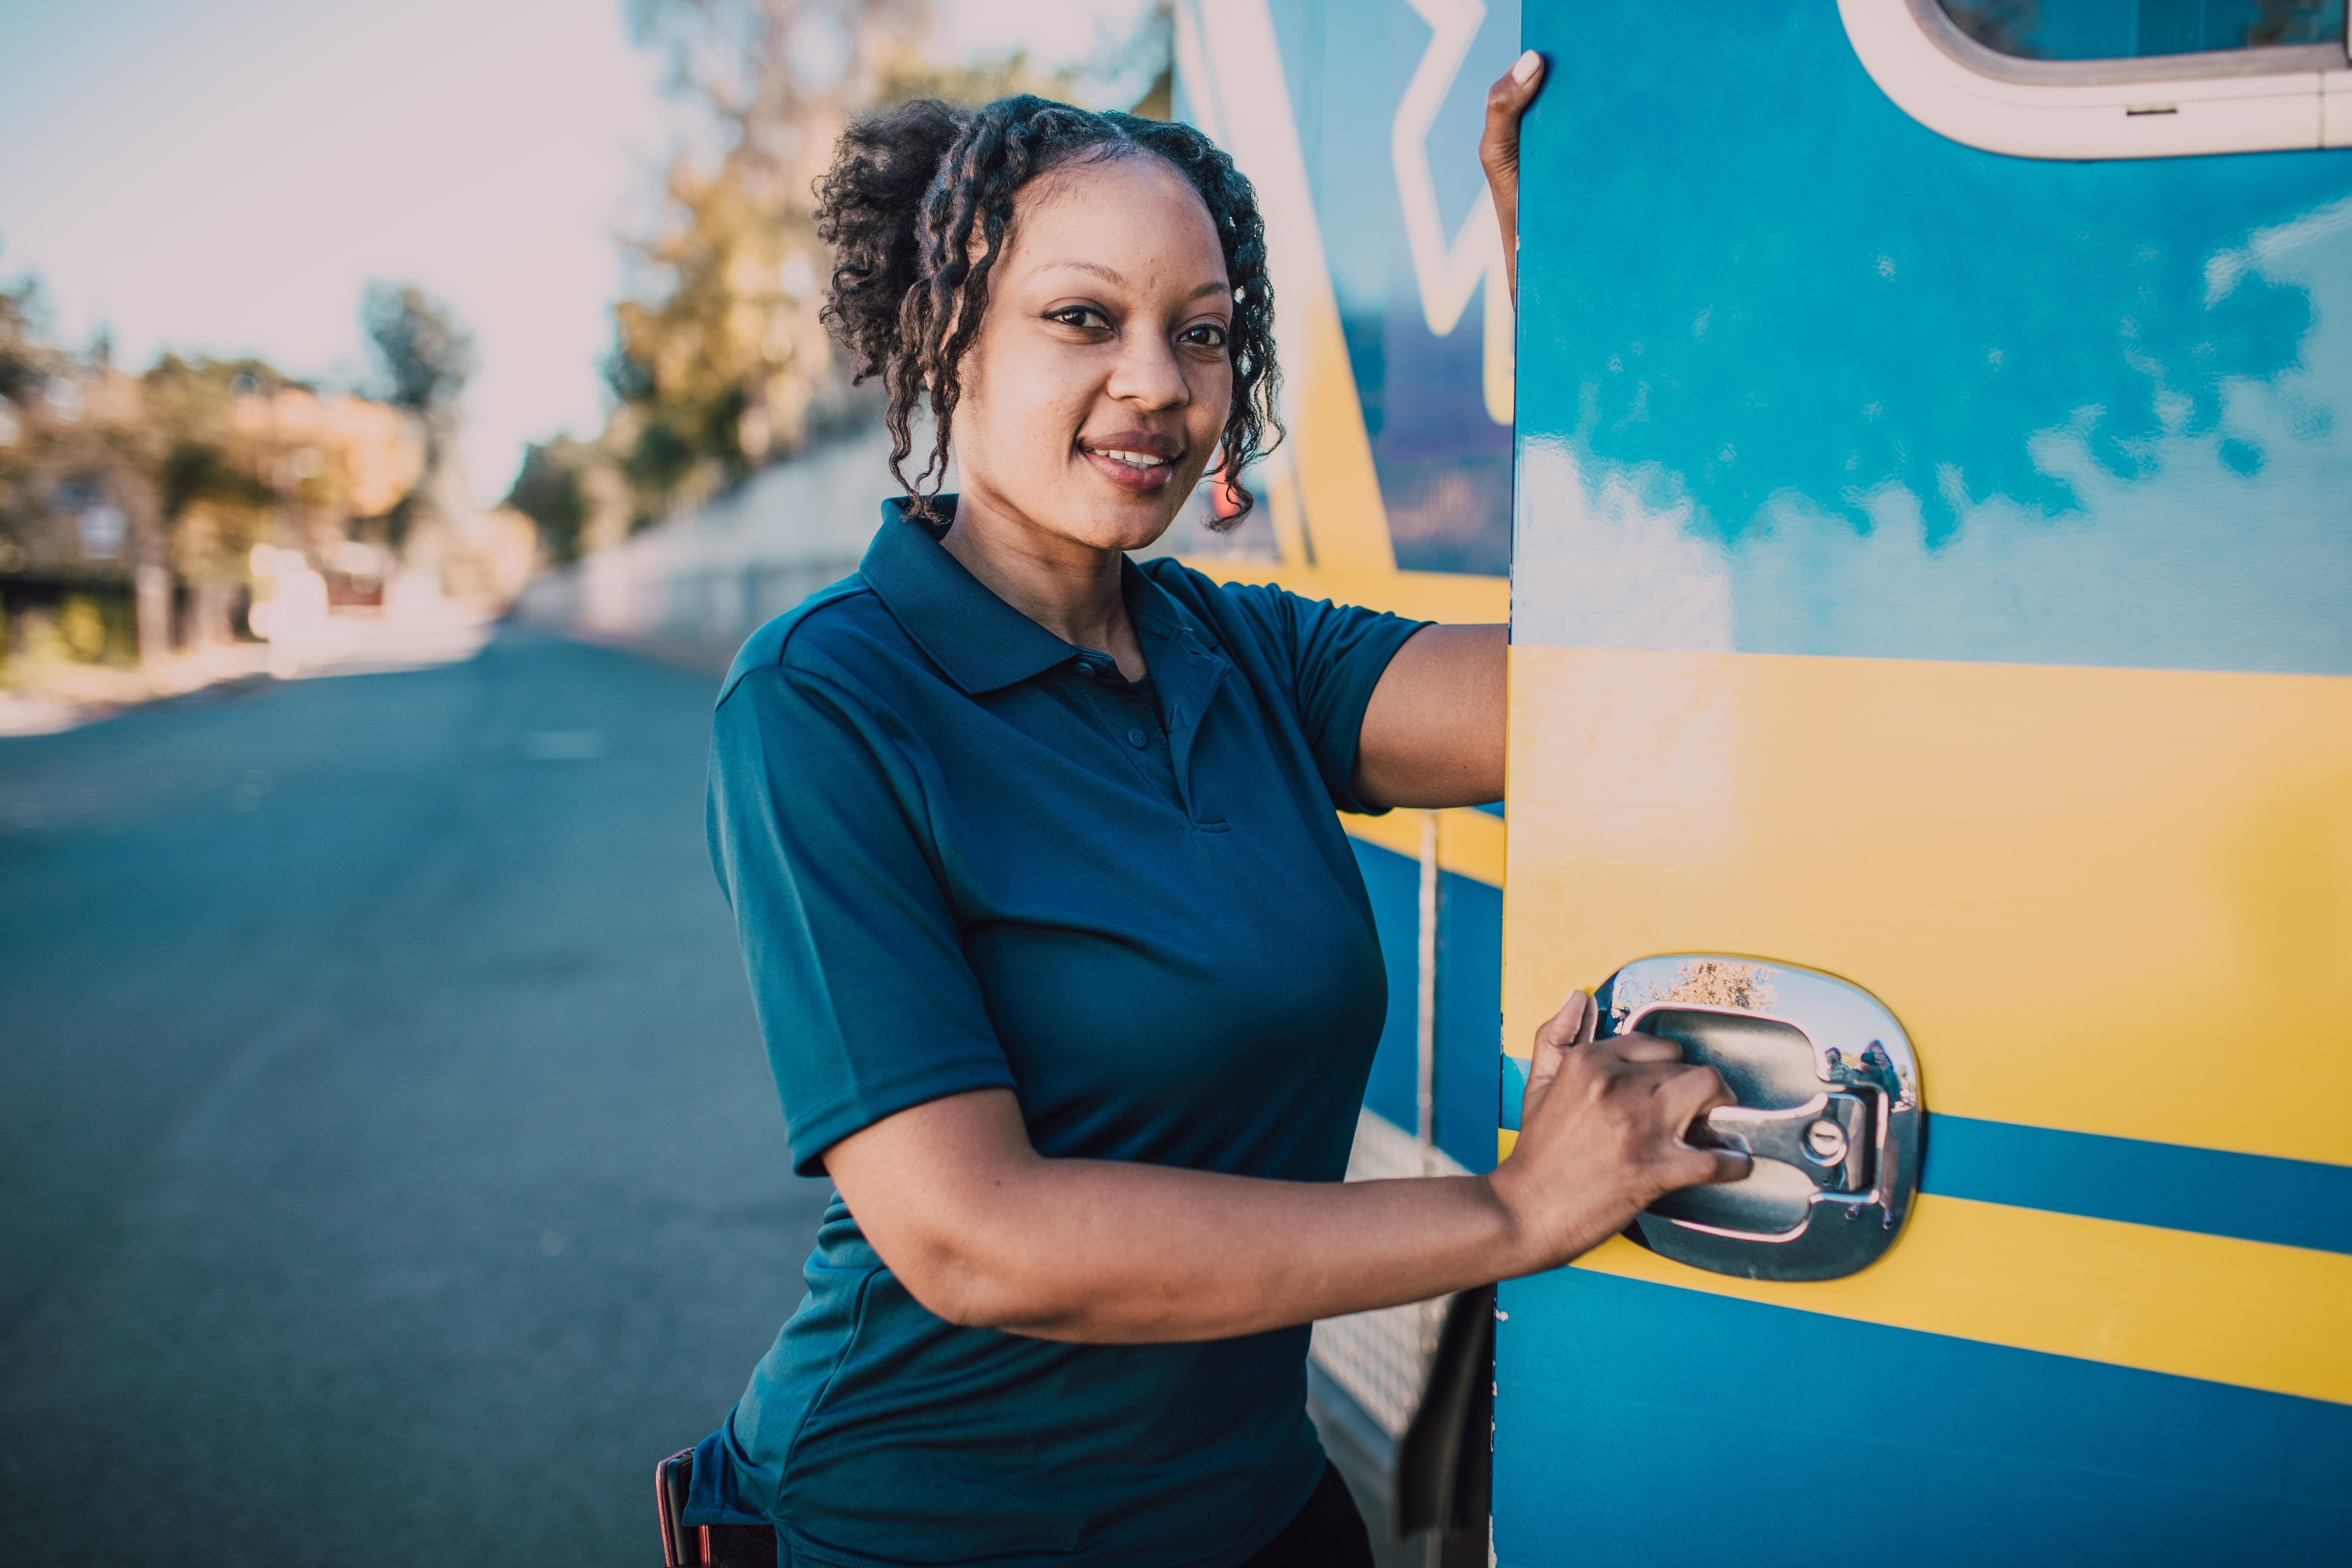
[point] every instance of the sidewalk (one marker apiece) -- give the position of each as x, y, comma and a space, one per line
46, 697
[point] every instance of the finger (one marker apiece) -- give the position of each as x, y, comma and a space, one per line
1564, 1028
1553, 1039
1641, 1048
1691, 1093
1684, 1166
1730, 1165
1514, 91
1591, 1022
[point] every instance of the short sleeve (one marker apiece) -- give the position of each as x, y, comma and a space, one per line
1330, 657
865, 1000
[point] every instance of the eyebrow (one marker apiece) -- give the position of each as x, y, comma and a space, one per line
1112, 275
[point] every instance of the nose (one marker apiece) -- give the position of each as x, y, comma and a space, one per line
1148, 374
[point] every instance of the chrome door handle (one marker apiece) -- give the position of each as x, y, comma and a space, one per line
1828, 1138
1828, 1107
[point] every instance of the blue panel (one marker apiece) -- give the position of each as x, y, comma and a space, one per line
1469, 1018
1513, 1087
1469, 1003
1394, 883
2296, 1203
1823, 382
1444, 466
2291, 1203
1640, 1423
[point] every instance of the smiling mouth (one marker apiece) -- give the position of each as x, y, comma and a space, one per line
1140, 462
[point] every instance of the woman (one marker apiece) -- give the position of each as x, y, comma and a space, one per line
1067, 971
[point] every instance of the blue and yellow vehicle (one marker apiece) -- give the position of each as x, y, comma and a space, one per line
1920, 487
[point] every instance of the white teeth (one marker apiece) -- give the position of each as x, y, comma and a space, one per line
1137, 460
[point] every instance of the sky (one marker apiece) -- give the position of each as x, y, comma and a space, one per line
226, 178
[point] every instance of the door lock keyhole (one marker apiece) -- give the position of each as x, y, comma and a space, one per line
1825, 1142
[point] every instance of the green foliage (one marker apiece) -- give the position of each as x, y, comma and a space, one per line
26, 362
426, 356
191, 451
81, 628
216, 494
720, 363
552, 488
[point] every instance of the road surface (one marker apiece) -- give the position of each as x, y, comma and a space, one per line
389, 1173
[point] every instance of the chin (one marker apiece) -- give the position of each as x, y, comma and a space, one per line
1114, 519
1125, 534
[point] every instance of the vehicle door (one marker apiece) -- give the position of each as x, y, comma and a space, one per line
1932, 704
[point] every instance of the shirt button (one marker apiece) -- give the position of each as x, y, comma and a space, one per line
1135, 738
1089, 669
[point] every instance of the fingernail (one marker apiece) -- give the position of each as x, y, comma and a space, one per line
1525, 65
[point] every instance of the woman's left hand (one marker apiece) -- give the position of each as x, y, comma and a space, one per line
1498, 149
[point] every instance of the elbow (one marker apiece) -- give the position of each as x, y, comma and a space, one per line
965, 1281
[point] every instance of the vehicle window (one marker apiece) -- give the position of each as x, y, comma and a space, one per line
2131, 29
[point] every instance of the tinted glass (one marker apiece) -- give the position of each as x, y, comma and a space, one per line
2124, 29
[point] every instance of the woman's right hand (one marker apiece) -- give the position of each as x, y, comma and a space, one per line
1602, 1135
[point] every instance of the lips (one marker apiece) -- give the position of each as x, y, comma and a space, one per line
1134, 459
1139, 461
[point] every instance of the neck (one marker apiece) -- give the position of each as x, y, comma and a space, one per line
1067, 587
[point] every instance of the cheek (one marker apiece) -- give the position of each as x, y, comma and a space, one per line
1212, 401
1020, 406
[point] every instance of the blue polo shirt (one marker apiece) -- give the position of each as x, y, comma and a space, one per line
964, 854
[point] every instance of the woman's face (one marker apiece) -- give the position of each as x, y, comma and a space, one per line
1097, 390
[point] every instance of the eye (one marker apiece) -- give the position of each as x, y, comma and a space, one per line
1204, 335
1084, 318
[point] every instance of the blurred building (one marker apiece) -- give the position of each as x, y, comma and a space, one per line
144, 514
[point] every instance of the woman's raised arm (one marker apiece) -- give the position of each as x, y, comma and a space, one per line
1433, 734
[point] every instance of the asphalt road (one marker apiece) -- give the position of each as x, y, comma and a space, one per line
389, 1173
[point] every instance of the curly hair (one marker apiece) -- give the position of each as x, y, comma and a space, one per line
912, 187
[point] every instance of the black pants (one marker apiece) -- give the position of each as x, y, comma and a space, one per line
1327, 1533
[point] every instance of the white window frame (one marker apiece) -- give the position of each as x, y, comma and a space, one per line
2160, 106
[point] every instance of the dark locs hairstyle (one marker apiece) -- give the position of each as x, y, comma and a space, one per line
916, 207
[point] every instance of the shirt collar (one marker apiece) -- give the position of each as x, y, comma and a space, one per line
1157, 611
983, 643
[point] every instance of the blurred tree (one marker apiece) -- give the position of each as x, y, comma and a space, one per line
215, 489
565, 488
27, 362
719, 364
427, 358
113, 485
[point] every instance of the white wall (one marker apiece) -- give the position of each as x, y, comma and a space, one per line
705, 578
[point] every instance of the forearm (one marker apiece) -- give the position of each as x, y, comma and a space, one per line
1092, 1250
985, 1231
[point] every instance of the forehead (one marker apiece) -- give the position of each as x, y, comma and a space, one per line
1132, 214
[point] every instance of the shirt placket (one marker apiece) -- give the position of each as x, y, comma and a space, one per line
1132, 724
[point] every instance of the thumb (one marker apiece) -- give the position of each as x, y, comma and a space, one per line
1569, 1027
1506, 101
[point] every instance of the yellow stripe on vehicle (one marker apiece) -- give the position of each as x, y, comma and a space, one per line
2210, 1307
2108, 901
1469, 843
